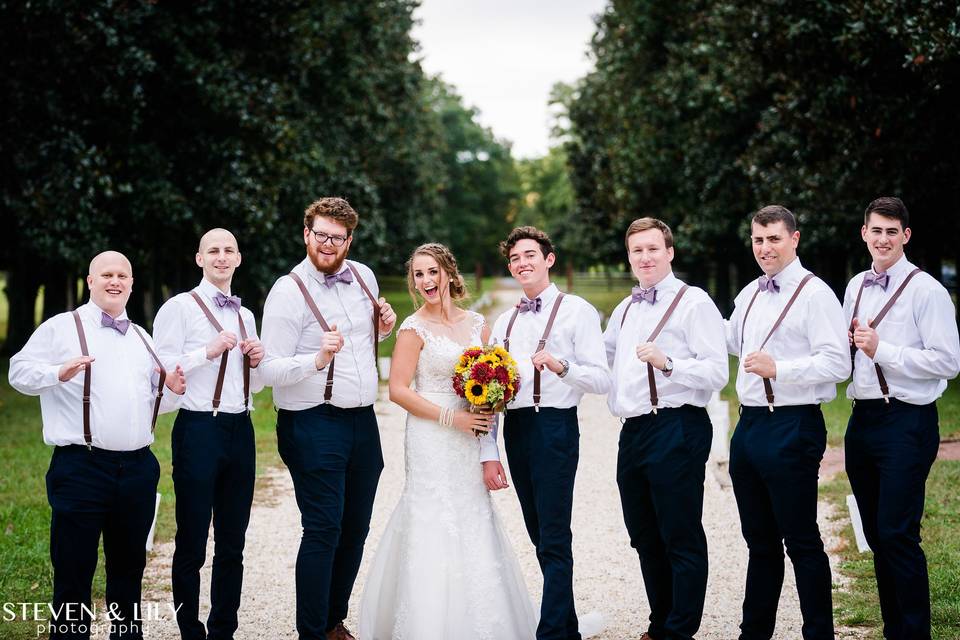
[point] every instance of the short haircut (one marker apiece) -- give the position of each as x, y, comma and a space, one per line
888, 207
773, 213
527, 233
645, 224
336, 209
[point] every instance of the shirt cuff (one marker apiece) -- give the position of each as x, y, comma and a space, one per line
51, 376
786, 371
886, 353
308, 364
489, 452
384, 336
196, 359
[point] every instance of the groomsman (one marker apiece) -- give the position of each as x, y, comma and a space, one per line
557, 343
326, 427
214, 340
905, 347
787, 329
666, 346
100, 386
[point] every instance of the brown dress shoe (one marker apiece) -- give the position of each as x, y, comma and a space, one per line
339, 632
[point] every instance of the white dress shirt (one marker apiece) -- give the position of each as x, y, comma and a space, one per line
182, 331
292, 336
919, 348
693, 338
810, 347
575, 337
123, 382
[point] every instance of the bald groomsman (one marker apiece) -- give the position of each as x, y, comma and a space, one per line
101, 386
904, 342
214, 339
321, 325
557, 343
665, 344
787, 329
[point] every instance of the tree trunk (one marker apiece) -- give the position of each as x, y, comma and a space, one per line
21, 291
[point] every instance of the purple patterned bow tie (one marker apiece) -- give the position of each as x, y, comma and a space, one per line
768, 284
882, 279
530, 305
345, 276
640, 294
227, 301
106, 320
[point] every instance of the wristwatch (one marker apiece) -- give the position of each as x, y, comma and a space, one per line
668, 367
565, 370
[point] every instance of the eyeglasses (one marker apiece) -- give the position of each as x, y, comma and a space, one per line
322, 238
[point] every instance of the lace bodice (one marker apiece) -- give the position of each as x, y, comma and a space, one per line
440, 352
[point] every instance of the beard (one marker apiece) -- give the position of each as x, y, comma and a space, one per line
326, 263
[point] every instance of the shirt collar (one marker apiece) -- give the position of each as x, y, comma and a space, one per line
790, 274
899, 268
316, 274
668, 283
94, 312
547, 295
209, 289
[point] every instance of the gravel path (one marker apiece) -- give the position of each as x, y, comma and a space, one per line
607, 572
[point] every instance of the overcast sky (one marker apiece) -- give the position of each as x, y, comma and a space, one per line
504, 55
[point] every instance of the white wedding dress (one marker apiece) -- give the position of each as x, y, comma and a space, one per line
444, 569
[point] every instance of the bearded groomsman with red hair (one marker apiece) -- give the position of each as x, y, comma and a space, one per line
904, 345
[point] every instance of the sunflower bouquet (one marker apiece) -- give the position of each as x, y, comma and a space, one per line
487, 378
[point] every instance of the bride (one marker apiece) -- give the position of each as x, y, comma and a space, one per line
444, 568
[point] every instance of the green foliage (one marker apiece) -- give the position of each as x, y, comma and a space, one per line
700, 112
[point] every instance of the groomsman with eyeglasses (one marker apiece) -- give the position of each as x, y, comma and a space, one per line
905, 346
321, 326
101, 388
787, 330
214, 340
666, 347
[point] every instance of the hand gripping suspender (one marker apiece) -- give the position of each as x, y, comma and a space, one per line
653, 336
767, 387
328, 389
540, 345
884, 388
223, 359
87, 437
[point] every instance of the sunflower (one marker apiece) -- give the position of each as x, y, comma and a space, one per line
475, 392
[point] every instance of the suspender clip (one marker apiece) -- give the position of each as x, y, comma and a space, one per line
654, 409
215, 413
536, 408
89, 447
770, 406
886, 398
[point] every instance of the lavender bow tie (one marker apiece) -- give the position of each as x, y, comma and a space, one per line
530, 305
882, 279
768, 284
640, 294
227, 301
345, 276
120, 325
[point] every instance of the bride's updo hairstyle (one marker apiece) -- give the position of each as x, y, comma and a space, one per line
446, 261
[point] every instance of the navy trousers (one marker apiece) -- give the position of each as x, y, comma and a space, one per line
660, 473
94, 492
335, 461
774, 464
214, 465
889, 450
543, 449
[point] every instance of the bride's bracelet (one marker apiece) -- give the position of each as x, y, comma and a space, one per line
446, 416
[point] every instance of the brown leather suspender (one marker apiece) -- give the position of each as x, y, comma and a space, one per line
540, 345
328, 389
767, 387
87, 437
653, 336
223, 359
376, 313
884, 388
